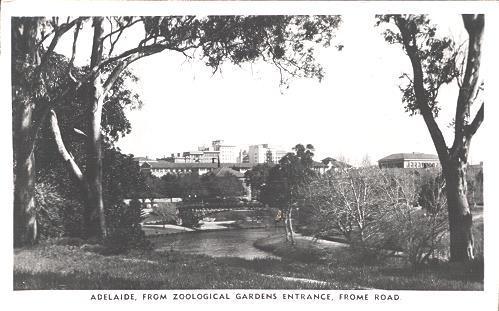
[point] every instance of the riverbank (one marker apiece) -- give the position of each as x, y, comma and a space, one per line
53, 266
346, 265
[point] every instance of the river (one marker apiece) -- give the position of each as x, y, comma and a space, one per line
221, 243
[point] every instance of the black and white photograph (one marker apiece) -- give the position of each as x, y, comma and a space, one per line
199, 153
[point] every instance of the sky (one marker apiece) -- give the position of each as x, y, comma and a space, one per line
356, 111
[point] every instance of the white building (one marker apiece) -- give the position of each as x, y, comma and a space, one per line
228, 153
264, 153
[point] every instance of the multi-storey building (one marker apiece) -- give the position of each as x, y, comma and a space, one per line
264, 153
227, 153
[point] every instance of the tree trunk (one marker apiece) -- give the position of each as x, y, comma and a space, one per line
24, 47
25, 230
460, 218
289, 226
94, 217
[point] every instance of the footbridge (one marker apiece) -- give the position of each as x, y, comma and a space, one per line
203, 209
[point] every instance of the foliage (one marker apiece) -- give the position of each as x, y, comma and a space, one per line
60, 210
57, 215
474, 181
441, 59
418, 230
189, 218
285, 41
256, 178
435, 62
122, 179
376, 209
124, 228
345, 201
164, 212
193, 187
227, 186
285, 179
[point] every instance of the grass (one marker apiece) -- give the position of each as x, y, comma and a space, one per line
345, 266
50, 266
60, 266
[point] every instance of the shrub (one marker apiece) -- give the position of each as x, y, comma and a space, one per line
124, 228
57, 215
189, 218
419, 230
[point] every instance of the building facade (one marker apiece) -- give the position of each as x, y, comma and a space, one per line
227, 153
409, 160
161, 168
263, 153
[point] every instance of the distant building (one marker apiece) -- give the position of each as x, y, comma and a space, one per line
243, 156
227, 153
319, 167
264, 153
333, 164
161, 168
409, 160
218, 152
141, 160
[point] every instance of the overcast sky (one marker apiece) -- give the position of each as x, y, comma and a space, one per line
355, 111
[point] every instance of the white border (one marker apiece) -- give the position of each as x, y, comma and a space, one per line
420, 300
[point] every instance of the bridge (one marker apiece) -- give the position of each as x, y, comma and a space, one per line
200, 210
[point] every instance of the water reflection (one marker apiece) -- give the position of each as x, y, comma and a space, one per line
232, 243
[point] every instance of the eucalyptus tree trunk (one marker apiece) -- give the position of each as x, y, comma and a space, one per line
455, 159
94, 216
289, 226
460, 217
25, 230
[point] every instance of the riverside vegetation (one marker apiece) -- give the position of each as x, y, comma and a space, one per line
71, 201
66, 264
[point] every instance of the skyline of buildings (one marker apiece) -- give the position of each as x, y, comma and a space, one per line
218, 151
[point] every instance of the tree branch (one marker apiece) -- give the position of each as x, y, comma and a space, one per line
477, 121
73, 51
67, 95
409, 42
469, 86
57, 35
61, 148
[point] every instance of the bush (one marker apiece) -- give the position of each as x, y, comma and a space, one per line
57, 215
419, 230
124, 228
189, 218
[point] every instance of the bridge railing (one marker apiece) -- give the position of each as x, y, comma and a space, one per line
208, 205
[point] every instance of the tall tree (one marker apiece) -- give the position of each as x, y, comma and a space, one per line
284, 181
256, 178
36, 80
284, 41
436, 61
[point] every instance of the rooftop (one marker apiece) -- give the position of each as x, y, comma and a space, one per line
335, 163
161, 164
171, 165
410, 156
224, 171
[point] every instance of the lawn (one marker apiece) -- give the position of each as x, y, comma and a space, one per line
346, 266
54, 266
